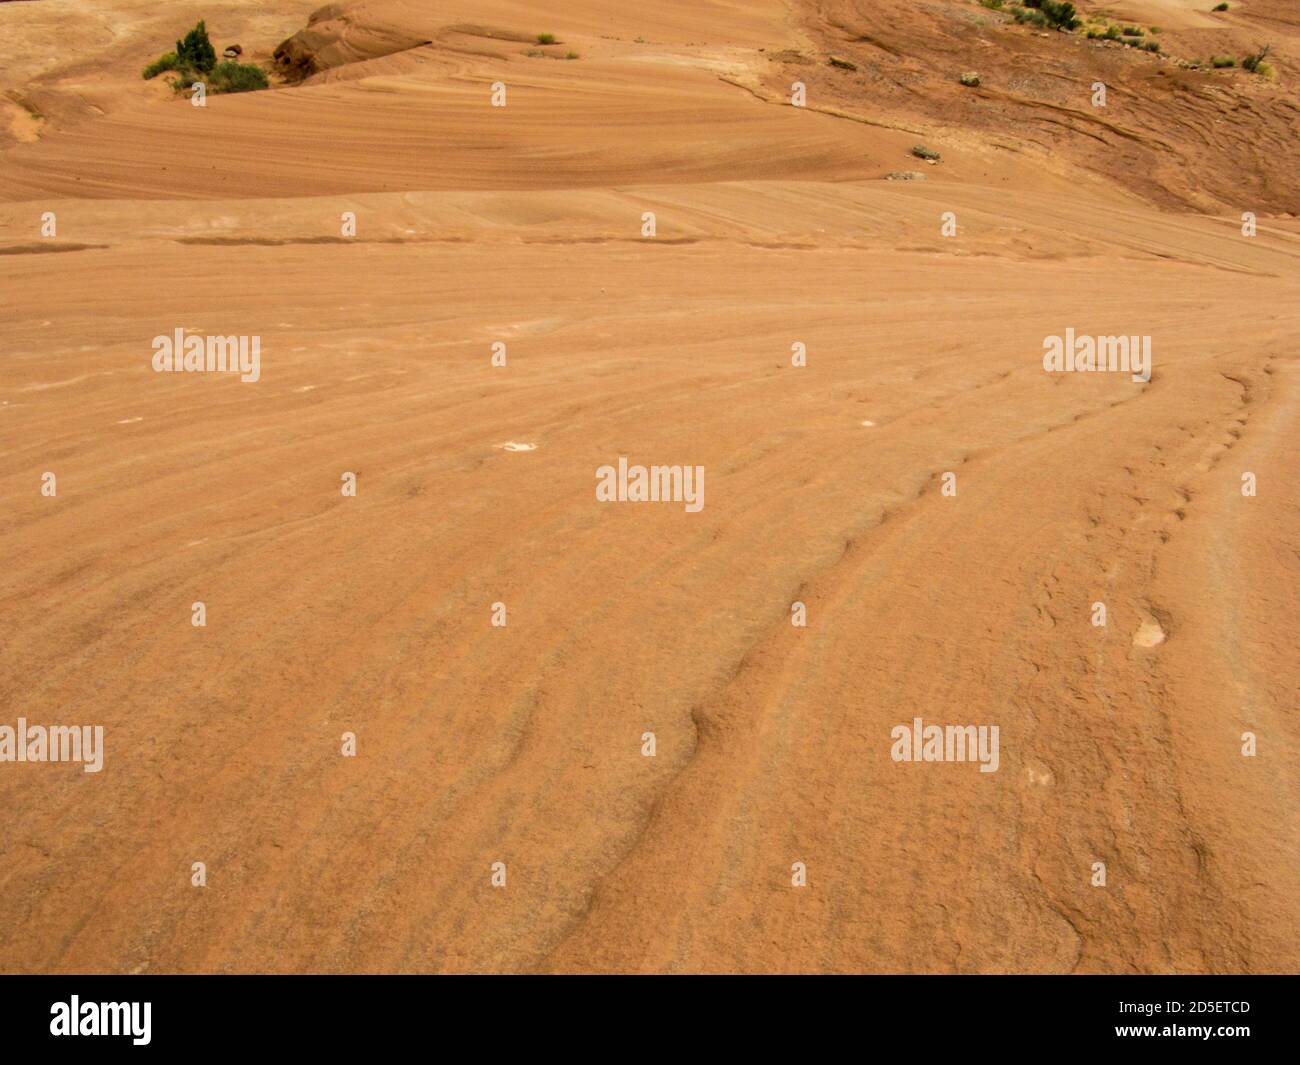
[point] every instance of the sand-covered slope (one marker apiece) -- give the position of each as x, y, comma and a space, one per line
948, 513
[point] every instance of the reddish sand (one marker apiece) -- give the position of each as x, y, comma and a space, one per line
825, 485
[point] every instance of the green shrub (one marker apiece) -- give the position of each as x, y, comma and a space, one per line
570, 55
1132, 31
1138, 42
1220, 61
166, 61
1252, 61
1221, 7
195, 51
1061, 15
1026, 15
546, 38
236, 77
195, 60
1047, 14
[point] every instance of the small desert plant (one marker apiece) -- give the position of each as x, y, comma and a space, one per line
195, 51
546, 38
1257, 63
1221, 61
1047, 13
570, 55
166, 61
1138, 42
195, 60
1252, 61
236, 77
1028, 15
1132, 31
1221, 7
1061, 15
1055, 13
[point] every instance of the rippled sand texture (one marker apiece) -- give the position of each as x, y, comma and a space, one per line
964, 599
